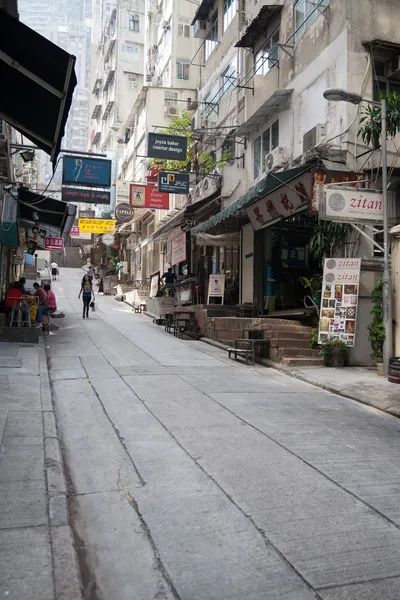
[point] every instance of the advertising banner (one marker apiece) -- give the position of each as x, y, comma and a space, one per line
52, 243
77, 195
178, 254
121, 191
148, 196
154, 284
282, 203
173, 183
170, 147
356, 205
339, 300
91, 172
98, 226
216, 287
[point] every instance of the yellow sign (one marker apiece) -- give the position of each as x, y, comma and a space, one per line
98, 226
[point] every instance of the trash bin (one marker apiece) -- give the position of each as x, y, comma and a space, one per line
394, 369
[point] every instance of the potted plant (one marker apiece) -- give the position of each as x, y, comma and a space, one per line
376, 328
334, 353
314, 338
314, 284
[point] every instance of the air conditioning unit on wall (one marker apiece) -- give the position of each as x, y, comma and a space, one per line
277, 158
171, 111
201, 29
314, 137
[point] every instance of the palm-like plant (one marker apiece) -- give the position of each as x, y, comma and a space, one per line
371, 121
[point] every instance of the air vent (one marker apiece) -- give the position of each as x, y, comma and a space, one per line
314, 137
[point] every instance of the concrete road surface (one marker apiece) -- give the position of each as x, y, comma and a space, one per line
196, 478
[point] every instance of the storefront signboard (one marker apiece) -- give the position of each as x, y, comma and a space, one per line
148, 196
121, 191
52, 243
178, 249
282, 203
216, 287
77, 195
170, 147
98, 226
173, 183
74, 231
339, 300
91, 172
355, 205
124, 213
154, 284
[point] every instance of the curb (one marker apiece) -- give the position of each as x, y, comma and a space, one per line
65, 564
394, 412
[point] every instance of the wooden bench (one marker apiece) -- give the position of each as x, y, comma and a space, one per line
247, 353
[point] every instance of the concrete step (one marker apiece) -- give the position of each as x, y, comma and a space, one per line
298, 352
291, 342
303, 362
289, 331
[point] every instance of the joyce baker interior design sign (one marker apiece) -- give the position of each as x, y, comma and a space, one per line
91, 172
339, 300
282, 203
170, 147
87, 196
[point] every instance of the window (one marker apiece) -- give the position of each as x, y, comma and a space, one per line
230, 7
183, 30
263, 145
171, 98
211, 101
130, 49
305, 13
133, 23
382, 82
229, 77
212, 39
267, 57
182, 69
132, 83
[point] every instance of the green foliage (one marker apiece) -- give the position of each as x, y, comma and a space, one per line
371, 124
327, 236
314, 338
202, 163
376, 328
313, 283
327, 349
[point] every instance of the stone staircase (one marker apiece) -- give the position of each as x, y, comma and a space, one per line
290, 343
71, 258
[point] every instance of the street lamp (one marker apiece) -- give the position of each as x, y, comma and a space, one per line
339, 95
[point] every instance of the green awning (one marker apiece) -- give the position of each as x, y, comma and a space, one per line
268, 184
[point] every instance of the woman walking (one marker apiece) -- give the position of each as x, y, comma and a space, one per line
87, 293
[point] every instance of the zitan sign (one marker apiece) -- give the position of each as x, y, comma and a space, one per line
98, 226
339, 301
356, 205
169, 147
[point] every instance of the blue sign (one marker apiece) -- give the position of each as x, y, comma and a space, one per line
90, 172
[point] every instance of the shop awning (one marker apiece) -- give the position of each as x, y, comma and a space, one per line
268, 184
261, 115
54, 216
258, 26
37, 81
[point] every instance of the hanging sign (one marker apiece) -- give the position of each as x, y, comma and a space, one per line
178, 253
173, 183
74, 231
154, 284
92, 172
52, 243
216, 287
170, 147
355, 205
124, 213
98, 226
85, 196
108, 239
148, 196
339, 300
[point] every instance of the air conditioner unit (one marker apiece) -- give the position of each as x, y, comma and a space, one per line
149, 77
209, 186
314, 137
201, 29
171, 111
276, 159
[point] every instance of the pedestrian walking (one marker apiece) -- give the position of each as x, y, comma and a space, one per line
87, 294
54, 270
90, 272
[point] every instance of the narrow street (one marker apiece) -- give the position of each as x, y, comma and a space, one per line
197, 478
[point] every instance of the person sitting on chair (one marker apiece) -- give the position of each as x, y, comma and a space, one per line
51, 298
13, 295
42, 297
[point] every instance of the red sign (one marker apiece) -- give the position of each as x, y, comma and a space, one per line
74, 231
51, 243
147, 196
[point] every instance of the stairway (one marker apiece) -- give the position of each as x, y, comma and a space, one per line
71, 259
290, 343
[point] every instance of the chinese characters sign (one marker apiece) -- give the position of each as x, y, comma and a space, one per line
51, 243
339, 301
148, 196
282, 203
178, 250
91, 172
98, 226
74, 231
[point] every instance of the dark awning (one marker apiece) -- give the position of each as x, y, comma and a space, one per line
57, 215
258, 26
37, 81
203, 10
268, 184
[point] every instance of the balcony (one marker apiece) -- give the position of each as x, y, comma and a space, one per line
96, 112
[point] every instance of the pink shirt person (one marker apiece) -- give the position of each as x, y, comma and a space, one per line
51, 297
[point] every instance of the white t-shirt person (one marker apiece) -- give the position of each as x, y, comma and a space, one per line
54, 270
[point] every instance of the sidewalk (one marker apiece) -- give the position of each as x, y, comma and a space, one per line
37, 559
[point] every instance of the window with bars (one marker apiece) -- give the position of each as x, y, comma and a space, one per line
305, 13
382, 68
263, 145
212, 39
229, 77
130, 49
133, 23
182, 69
230, 8
171, 98
183, 30
267, 57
